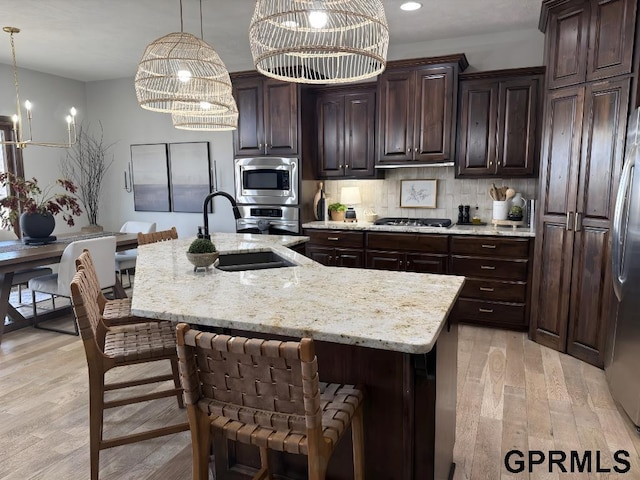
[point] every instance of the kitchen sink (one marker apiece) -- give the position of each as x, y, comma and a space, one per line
237, 262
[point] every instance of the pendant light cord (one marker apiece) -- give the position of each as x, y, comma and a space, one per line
181, 22
201, 30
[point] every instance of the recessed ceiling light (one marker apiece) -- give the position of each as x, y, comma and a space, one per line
409, 6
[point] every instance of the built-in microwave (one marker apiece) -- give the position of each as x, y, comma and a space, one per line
267, 180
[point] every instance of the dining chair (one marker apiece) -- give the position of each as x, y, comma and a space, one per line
102, 251
159, 236
22, 277
264, 393
126, 261
106, 349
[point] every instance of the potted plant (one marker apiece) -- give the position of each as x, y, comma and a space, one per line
515, 213
336, 210
86, 164
34, 207
202, 253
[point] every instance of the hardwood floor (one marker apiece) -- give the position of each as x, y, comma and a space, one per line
512, 394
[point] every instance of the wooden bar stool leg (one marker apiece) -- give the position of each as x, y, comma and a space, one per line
96, 404
357, 438
200, 442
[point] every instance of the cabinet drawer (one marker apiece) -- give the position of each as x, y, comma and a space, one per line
490, 246
417, 242
489, 268
489, 313
494, 290
336, 238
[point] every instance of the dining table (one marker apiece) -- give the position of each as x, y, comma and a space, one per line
15, 256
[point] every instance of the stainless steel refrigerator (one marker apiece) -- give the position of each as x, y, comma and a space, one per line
622, 365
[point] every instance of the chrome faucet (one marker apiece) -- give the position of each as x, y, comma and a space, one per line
207, 201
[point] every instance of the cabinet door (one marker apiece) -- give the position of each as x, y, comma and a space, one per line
554, 229
330, 110
359, 128
567, 41
477, 128
603, 137
323, 255
249, 136
518, 127
425, 263
433, 127
281, 117
385, 260
395, 116
349, 258
611, 36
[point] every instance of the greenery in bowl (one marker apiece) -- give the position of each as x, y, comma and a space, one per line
201, 245
515, 213
337, 207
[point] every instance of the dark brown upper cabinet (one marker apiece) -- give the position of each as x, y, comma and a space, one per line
417, 101
346, 127
587, 40
268, 116
498, 123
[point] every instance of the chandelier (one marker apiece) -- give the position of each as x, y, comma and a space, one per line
19, 139
181, 74
319, 41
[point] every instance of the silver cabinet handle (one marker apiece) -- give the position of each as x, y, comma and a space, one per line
487, 289
485, 310
333, 238
577, 224
568, 224
346, 166
415, 149
487, 267
408, 150
486, 245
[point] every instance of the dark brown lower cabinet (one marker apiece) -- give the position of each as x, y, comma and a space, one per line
496, 289
407, 252
336, 248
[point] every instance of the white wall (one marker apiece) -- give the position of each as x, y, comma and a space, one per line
52, 97
113, 103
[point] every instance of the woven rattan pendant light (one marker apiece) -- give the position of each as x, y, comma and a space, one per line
224, 120
319, 41
182, 73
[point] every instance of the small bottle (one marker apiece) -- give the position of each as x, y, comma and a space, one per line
460, 215
200, 232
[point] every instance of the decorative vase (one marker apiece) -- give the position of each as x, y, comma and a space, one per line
37, 225
202, 260
92, 228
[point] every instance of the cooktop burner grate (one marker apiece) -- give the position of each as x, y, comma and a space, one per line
414, 222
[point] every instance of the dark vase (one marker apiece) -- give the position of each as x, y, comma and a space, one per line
37, 225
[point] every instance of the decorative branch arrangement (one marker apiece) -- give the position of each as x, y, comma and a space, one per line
86, 164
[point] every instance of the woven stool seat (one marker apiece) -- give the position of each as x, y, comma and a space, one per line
117, 311
140, 341
286, 432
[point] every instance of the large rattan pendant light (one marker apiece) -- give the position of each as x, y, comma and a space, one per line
180, 73
319, 41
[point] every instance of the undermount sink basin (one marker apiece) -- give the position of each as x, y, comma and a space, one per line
237, 262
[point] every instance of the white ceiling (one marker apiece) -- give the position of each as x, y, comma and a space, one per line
91, 40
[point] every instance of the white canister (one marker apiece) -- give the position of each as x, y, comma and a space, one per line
500, 209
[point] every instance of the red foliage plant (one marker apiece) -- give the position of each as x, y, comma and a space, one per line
25, 196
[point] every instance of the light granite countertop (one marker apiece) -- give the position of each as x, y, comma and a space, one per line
399, 311
453, 230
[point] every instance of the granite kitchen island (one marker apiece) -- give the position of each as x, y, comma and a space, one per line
385, 330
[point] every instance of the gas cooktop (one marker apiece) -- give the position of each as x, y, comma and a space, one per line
413, 222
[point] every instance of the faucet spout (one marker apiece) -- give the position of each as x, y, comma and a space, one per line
205, 206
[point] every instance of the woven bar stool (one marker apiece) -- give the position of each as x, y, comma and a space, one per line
128, 345
161, 236
115, 311
265, 393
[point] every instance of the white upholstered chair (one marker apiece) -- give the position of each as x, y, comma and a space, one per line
21, 277
102, 251
126, 260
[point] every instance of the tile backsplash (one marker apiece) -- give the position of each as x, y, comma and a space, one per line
383, 196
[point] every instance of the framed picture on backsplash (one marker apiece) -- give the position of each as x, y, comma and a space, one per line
418, 193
